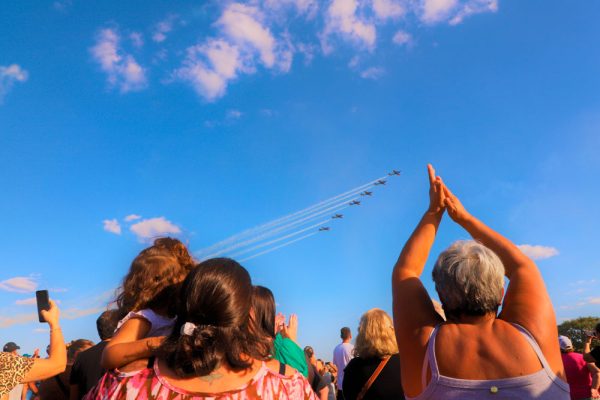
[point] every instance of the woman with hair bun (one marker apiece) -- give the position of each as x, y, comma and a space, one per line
213, 352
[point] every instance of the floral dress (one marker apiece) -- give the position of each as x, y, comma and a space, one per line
150, 384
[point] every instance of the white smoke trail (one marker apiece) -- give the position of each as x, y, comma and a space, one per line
270, 242
287, 218
340, 206
278, 247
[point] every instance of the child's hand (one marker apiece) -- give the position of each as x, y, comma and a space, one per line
155, 342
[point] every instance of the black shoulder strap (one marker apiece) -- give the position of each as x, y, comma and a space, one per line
150, 364
61, 385
281, 368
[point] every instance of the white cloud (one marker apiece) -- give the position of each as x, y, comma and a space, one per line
112, 226
241, 24
26, 302
536, 252
154, 227
74, 313
163, 28
454, 11
402, 38
437, 10
243, 42
342, 19
136, 39
474, 7
121, 68
234, 114
372, 73
307, 8
209, 67
8, 76
385, 9
132, 217
62, 5
6, 322
19, 284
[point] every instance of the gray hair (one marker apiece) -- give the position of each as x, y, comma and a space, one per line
469, 278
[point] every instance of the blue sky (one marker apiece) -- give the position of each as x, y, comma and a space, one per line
206, 119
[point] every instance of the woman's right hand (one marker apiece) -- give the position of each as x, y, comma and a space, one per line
436, 194
51, 315
454, 207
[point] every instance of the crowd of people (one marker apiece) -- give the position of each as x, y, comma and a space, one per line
184, 330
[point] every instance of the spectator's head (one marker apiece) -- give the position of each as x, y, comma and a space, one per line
376, 336
598, 330
263, 311
11, 347
565, 344
345, 333
154, 277
469, 279
106, 324
76, 347
213, 324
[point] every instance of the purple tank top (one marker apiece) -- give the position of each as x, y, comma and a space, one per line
542, 385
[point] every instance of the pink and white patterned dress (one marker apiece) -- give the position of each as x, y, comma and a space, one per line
149, 384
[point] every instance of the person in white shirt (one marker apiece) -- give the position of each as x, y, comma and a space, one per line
342, 354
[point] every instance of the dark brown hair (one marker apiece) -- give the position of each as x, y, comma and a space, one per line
216, 297
154, 277
263, 307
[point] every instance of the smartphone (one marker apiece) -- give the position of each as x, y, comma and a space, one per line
589, 333
43, 303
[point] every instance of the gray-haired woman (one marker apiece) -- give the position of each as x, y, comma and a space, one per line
476, 353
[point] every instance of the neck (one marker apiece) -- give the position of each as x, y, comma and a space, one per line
472, 319
346, 340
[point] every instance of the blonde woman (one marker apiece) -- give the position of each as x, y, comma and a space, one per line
375, 371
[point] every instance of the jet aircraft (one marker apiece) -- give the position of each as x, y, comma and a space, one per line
380, 182
366, 193
354, 203
337, 216
323, 228
394, 172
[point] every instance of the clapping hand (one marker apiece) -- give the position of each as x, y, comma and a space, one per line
290, 330
436, 192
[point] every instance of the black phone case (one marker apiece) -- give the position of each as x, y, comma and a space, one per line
43, 303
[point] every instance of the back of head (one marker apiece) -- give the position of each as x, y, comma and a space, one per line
107, 323
345, 333
565, 344
309, 352
263, 307
77, 346
154, 277
213, 323
469, 279
376, 336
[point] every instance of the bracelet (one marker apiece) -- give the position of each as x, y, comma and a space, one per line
55, 329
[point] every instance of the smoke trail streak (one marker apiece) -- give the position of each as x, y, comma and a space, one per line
287, 218
307, 219
259, 246
278, 247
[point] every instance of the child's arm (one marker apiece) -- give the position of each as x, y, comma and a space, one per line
129, 344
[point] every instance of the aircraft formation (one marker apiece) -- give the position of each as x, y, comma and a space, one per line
294, 227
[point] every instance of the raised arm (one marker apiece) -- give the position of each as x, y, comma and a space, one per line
413, 308
414, 314
57, 361
526, 302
